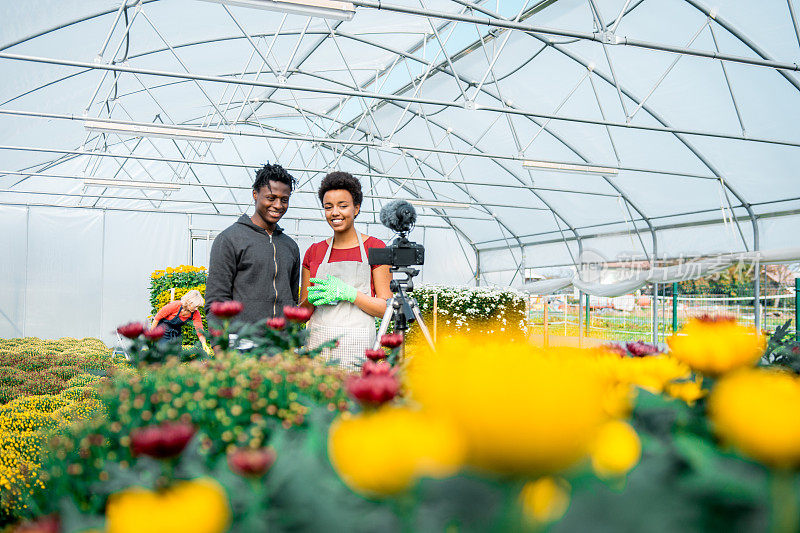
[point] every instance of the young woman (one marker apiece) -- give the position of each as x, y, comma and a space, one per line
175, 314
338, 283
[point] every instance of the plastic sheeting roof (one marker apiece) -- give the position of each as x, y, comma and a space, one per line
693, 109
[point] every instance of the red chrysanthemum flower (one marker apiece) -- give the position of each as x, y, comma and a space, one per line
228, 309
297, 314
251, 463
131, 330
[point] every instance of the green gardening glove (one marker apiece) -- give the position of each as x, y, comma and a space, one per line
330, 291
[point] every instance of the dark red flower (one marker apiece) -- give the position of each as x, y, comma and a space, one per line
392, 340
251, 463
46, 524
228, 309
716, 318
616, 348
372, 390
375, 355
382, 368
155, 333
131, 330
641, 348
163, 441
225, 392
277, 323
297, 314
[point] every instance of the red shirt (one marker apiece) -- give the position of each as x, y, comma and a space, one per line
172, 309
316, 253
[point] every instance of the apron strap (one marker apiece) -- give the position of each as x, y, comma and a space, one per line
361, 249
328, 251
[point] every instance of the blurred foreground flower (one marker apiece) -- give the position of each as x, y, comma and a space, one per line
278, 323
297, 314
757, 412
155, 334
652, 373
529, 412
616, 451
46, 524
392, 340
197, 506
251, 463
228, 309
545, 500
716, 346
163, 441
688, 391
380, 368
373, 389
641, 348
382, 452
375, 355
131, 330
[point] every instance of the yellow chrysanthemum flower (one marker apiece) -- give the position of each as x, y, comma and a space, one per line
617, 450
714, 347
545, 500
197, 506
757, 412
688, 391
522, 410
383, 452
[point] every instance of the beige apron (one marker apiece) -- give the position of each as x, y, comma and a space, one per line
344, 321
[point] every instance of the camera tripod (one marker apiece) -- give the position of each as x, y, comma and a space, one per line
402, 309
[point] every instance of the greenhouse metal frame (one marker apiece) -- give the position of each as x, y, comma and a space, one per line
528, 133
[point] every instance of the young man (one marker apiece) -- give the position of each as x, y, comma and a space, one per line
253, 261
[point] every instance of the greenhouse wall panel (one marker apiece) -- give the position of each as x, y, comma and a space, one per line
135, 245
64, 273
13, 240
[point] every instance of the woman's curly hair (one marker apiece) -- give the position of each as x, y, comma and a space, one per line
341, 181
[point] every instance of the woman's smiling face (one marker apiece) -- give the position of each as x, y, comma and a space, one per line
340, 211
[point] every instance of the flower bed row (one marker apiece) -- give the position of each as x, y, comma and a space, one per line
473, 309
540, 438
45, 385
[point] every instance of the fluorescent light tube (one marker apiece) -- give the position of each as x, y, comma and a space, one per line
125, 184
568, 167
148, 130
331, 9
434, 203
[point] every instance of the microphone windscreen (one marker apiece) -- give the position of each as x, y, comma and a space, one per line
398, 215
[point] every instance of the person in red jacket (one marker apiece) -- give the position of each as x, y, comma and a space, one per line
175, 314
338, 283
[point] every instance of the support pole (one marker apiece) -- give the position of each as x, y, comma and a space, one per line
675, 307
757, 297
546, 339
588, 318
580, 319
435, 314
654, 323
796, 307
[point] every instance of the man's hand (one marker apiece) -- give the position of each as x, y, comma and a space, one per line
330, 291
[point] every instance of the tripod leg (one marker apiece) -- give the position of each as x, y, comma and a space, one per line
422, 327
387, 317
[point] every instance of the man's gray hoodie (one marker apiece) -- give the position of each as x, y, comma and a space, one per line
253, 267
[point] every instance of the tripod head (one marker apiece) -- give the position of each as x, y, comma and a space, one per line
403, 285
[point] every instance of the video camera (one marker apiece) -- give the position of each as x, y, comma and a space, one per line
399, 216
402, 308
